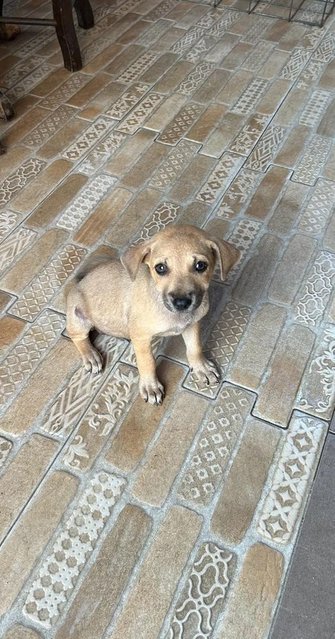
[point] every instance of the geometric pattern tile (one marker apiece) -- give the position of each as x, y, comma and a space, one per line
220, 177
266, 148
242, 237
19, 178
8, 220
26, 85
176, 162
199, 49
127, 101
181, 123
222, 25
295, 64
247, 102
315, 292
59, 572
195, 78
317, 392
293, 474
312, 161
86, 202
258, 56
86, 140
62, 94
165, 214
187, 41
238, 193
21, 70
101, 153
249, 134
24, 357
5, 448
14, 245
315, 108
137, 68
320, 206
218, 436
48, 282
140, 113
49, 126
204, 593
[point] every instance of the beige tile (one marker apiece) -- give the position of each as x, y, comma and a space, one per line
145, 166
281, 382
161, 66
293, 147
327, 124
254, 595
173, 76
134, 217
238, 500
14, 157
133, 32
22, 477
21, 632
127, 449
131, 150
267, 192
288, 208
102, 101
148, 602
253, 356
26, 541
188, 183
60, 140
237, 55
102, 59
255, 276
40, 389
124, 59
272, 67
108, 577
54, 204
32, 194
234, 88
329, 167
165, 112
56, 77
5, 300
10, 330
102, 217
291, 106
291, 268
223, 135
20, 129
328, 77
329, 237
273, 97
206, 123
165, 459
87, 92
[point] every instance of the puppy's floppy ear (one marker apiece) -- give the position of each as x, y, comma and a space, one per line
226, 255
134, 256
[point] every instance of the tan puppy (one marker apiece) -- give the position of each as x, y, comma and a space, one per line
160, 287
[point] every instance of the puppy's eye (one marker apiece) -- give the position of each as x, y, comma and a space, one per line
201, 266
161, 268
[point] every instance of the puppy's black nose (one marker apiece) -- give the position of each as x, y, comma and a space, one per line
181, 303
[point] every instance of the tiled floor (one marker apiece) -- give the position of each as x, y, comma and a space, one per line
119, 520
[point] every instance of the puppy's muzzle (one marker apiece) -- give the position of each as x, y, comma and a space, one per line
181, 302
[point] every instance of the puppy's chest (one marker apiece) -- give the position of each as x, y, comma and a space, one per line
177, 328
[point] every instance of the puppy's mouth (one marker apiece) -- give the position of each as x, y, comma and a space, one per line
182, 302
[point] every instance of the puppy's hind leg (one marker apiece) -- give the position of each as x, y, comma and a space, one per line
78, 327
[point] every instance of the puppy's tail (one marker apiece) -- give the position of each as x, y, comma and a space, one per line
92, 262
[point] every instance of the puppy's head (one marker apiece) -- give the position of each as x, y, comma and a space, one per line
181, 261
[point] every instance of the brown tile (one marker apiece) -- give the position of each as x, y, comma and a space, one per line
20, 129
206, 123
255, 593
291, 268
270, 102
162, 465
253, 356
159, 574
103, 216
58, 143
173, 76
234, 88
194, 213
107, 577
255, 276
103, 58
145, 166
56, 77
268, 192
14, 157
280, 384
329, 237
288, 208
159, 67
272, 67
237, 55
52, 206
293, 146
165, 112
102, 101
22, 477
327, 79
31, 533
133, 32
5, 300
170, 37
291, 107
10, 329
238, 500
187, 185
124, 59
223, 135
329, 167
41, 387
327, 124
134, 146
127, 449
133, 217
32, 194
87, 92
30, 264
181, 123
21, 632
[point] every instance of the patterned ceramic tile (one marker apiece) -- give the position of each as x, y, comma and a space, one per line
62, 94
86, 201
161, 10
88, 138
5, 448
246, 104
11, 248
249, 135
195, 78
137, 68
49, 126
314, 295
188, 40
172, 167
243, 237
181, 123
48, 282
238, 194
221, 345
312, 161
140, 113
222, 25
27, 84
153, 33
127, 101
200, 49
289, 486
218, 437
59, 572
72, 401
310, 74
21, 70
8, 221
266, 148
18, 179
220, 177
319, 208
317, 392
165, 213
315, 108
108, 409
258, 56
24, 357
204, 593
101, 153
326, 50
257, 30
295, 64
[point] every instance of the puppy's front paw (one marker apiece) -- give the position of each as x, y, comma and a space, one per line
152, 391
207, 369
93, 361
